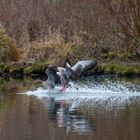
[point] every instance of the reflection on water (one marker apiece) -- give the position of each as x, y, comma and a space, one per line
70, 121
103, 109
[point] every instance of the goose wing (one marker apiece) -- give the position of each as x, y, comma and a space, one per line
82, 66
62, 75
65, 74
52, 76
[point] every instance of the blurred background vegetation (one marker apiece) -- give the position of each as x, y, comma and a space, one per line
8, 50
35, 30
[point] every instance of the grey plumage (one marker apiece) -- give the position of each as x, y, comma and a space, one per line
52, 79
62, 75
82, 66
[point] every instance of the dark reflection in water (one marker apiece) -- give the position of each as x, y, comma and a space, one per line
25, 117
70, 121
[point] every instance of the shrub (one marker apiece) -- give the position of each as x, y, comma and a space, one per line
56, 50
8, 50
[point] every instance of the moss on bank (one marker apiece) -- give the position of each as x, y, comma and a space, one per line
36, 68
20, 69
119, 68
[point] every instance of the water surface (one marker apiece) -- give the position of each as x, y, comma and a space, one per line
103, 108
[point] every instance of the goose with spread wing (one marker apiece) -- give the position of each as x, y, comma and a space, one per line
62, 75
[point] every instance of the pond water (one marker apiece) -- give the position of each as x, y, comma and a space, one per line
94, 108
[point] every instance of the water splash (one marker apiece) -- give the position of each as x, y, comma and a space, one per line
91, 97
115, 92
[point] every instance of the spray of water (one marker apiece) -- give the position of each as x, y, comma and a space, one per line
92, 92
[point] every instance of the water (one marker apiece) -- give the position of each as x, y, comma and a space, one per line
102, 108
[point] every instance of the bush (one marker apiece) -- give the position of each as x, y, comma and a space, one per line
56, 50
8, 50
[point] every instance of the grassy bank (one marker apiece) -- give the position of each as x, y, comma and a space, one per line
18, 69
54, 50
38, 68
119, 68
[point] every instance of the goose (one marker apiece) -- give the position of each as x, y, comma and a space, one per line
62, 75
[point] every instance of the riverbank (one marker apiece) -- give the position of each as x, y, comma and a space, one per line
38, 68
118, 68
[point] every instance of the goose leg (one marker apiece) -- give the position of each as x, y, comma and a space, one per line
63, 88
